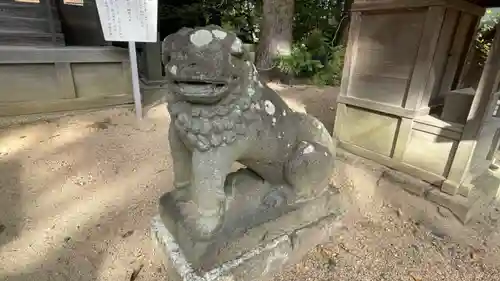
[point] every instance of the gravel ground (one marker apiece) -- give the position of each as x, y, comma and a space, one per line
77, 194
391, 248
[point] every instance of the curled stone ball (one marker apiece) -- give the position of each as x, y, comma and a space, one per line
196, 125
226, 122
196, 112
179, 126
222, 111
207, 113
205, 126
203, 143
192, 138
229, 137
184, 119
215, 140
218, 125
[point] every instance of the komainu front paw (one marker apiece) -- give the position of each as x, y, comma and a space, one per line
275, 199
201, 224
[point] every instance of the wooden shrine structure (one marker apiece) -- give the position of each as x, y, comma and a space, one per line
53, 57
402, 103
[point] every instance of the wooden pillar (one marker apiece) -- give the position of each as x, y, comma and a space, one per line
50, 19
486, 84
152, 62
477, 116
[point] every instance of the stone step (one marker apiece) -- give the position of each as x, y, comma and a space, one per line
27, 38
28, 24
28, 10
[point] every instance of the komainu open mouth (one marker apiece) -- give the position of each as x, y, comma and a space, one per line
201, 91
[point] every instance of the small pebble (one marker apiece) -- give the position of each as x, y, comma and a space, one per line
452, 251
127, 234
399, 212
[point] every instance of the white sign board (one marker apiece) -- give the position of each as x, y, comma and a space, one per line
128, 20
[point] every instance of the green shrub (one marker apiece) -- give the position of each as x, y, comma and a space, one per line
305, 62
486, 33
299, 63
331, 74
318, 44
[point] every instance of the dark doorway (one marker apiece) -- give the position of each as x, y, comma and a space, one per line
80, 23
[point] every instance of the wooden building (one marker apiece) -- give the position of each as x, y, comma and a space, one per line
53, 57
402, 103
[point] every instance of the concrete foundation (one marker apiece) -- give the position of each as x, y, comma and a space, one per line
481, 190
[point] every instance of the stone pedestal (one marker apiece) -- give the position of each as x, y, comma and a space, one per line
258, 263
251, 245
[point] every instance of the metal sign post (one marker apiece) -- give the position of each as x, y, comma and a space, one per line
130, 21
135, 79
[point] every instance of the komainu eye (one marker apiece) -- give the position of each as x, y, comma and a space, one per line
166, 57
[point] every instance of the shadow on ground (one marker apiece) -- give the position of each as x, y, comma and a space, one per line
77, 196
11, 218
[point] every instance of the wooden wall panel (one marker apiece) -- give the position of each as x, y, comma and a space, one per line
386, 49
430, 152
28, 82
33, 81
367, 129
99, 79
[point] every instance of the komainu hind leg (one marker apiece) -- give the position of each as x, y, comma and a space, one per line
310, 129
309, 168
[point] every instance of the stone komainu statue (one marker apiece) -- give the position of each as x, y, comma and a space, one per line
221, 113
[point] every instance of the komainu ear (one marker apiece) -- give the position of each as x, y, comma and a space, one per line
167, 44
240, 51
184, 31
166, 48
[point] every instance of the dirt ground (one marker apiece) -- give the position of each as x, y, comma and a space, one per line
77, 194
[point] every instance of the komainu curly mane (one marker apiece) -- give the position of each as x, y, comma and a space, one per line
209, 126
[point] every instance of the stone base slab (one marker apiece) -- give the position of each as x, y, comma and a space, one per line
484, 189
247, 222
261, 262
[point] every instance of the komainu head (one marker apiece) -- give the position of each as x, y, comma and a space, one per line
205, 64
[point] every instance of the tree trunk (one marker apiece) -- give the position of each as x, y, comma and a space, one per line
276, 32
